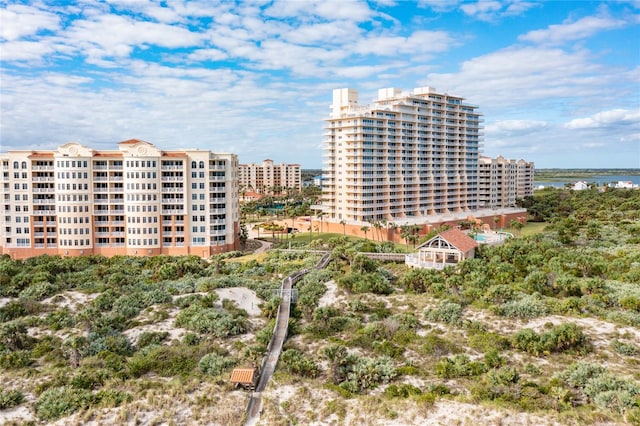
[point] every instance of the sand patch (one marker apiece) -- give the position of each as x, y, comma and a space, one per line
331, 296
74, 300
243, 297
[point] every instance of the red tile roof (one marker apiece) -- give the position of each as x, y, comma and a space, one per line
458, 239
243, 375
130, 142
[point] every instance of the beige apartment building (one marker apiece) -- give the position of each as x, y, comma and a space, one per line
503, 181
136, 200
270, 178
405, 156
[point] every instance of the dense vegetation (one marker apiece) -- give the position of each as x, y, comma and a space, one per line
512, 329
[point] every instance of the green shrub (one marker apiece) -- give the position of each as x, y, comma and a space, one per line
435, 345
365, 282
84, 379
389, 349
113, 342
186, 301
39, 291
493, 359
459, 366
447, 312
151, 338
111, 398
211, 321
484, 341
9, 398
214, 364
503, 376
165, 361
404, 390
624, 348
529, 306
191, 339
62, 318
368, 373
560, 338
15, 360
603, 388
631, 303
18, 308
61, 401
295, 362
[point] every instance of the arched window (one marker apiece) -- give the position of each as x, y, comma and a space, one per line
193, 164
202, 164
24, 164
15, 164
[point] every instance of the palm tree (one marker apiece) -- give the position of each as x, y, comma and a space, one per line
320, 215
344, 226
365, 229
378, 226
517, 225
405, 231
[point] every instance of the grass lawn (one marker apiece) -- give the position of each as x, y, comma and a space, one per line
532, 228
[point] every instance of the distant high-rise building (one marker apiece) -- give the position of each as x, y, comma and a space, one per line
503, 181
406, 155
270, 178
137, 200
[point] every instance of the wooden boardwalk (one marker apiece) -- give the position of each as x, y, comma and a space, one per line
280, 332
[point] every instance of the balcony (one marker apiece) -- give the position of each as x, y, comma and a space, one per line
42, 202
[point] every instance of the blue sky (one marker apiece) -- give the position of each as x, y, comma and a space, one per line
558, 82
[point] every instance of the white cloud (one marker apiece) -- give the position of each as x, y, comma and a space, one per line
605, 119
325, 32
29, 51
484, 10
357, 10
515, 76
510, 127
439, 5
570, 31
117, 35
207, 55
419, 42
19, 21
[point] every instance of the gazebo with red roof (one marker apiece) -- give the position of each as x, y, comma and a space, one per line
448, 248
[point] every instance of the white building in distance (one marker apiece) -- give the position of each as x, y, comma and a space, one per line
270, 178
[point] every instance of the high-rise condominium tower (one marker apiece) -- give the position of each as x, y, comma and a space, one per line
406, 155
269, 178
503, 181
137, 200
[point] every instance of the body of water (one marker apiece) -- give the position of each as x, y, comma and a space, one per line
600, 180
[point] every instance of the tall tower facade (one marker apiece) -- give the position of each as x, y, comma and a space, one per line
137, 200
406, 155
